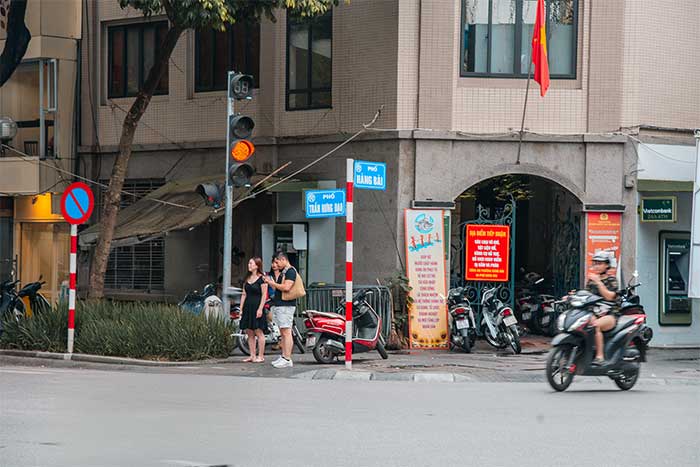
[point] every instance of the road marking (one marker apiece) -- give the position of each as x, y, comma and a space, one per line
29, 372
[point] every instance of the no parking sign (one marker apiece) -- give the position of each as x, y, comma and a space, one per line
77, 204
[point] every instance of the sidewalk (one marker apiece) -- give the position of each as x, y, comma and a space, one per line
484, 364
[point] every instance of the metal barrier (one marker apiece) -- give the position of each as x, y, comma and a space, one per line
331, 298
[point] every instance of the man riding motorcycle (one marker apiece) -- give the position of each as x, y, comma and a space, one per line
606, 286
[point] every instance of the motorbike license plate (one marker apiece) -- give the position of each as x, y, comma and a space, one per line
509, 320
311, 341
462, 323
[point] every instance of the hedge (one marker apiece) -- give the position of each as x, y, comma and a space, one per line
135, 330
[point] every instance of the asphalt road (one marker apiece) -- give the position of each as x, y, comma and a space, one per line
81, 417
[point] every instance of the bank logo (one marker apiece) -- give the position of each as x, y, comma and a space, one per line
424, 223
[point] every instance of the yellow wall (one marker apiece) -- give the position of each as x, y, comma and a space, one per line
28, 210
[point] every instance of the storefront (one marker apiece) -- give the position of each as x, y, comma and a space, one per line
665, 188
41, 244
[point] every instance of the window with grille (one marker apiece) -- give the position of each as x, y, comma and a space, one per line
137, 267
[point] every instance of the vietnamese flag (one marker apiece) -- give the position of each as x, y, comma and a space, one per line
539, 50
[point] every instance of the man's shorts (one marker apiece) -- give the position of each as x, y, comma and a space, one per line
283, 316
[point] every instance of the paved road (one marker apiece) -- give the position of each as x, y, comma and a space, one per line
82, 417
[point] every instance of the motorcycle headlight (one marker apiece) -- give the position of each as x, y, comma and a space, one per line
560, 321
578, 323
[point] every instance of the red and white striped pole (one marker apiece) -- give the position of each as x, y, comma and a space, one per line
71, 292
348, 263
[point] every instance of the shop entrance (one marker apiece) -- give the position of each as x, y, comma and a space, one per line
545, 220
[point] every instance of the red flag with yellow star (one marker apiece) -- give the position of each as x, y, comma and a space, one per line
539, 50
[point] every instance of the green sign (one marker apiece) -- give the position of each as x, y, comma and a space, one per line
659, 209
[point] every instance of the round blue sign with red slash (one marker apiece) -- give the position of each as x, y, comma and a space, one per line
77, 203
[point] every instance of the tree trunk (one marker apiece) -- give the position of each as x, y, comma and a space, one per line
116, 182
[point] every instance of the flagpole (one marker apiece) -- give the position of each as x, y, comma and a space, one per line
522, 124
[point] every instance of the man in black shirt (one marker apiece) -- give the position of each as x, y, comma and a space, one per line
283, 310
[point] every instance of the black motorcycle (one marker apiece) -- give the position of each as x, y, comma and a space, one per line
11, 305
573, 349
462, 322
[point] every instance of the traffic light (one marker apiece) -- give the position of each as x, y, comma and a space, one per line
213, 194
241, 149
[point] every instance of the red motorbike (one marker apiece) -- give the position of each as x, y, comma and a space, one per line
325, 332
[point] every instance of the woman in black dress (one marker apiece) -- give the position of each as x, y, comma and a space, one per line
253, 320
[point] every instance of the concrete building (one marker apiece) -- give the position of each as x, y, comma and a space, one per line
40, 97
450, 77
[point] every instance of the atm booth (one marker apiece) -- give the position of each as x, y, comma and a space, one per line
674, 268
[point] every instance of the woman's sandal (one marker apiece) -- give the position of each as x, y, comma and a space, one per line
249, 359
259, 360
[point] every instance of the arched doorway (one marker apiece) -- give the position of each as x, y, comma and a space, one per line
545, 222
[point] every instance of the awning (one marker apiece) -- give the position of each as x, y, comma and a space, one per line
147, 219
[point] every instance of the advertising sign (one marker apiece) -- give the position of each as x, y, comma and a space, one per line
603, 233
487, 253
325, 203
658, 209
425, 263
370, 175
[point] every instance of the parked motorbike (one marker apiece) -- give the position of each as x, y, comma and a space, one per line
573, 349
33, 301
11, 306
499, 325
272, 336
535, 309
462, 322
325, 332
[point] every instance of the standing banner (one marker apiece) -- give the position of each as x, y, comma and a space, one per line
425, 264
603, 233
487, 253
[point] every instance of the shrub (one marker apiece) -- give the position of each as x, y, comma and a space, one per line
136, 330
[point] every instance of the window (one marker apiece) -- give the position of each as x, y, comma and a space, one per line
217, 52
309, 53
497, 37
132, 52
137, 267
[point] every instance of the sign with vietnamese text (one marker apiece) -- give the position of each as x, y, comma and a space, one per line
425, 264
370, 175
658, 209
603, 233
325, 203
487, 253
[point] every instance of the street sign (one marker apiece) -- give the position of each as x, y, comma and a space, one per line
659, 209
325, 203
370, 175
487, 253
77, 203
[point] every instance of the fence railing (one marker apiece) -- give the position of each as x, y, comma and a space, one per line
331, 298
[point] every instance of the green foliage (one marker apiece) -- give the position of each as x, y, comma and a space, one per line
136, 330
219, 13
400, 289
502, 188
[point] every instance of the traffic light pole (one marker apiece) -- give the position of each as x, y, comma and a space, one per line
228, 220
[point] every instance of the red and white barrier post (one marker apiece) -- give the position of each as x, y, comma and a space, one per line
71, 292
348, 263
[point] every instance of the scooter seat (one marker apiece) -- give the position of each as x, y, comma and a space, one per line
622, 323
326, 314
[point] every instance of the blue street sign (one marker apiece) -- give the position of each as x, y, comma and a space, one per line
325, 203
370, 175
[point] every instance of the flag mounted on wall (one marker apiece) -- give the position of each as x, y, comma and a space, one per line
539, 49
18, 36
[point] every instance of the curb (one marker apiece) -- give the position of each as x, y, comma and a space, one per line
79, 357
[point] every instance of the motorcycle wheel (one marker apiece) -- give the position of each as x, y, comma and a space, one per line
382, 350
514, 339
626, 382
467, 343
557, 376
243, 344
298, 341
493, 342
323, 353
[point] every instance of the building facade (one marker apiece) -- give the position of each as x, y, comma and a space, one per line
450, 77
40, 97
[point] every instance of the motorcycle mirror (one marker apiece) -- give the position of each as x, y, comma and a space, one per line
41, 276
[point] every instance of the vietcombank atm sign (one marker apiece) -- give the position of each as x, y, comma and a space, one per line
658, 209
